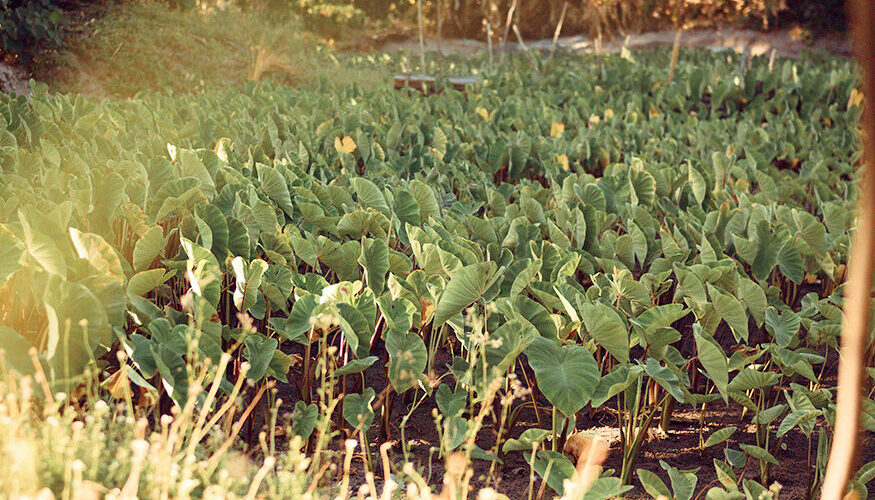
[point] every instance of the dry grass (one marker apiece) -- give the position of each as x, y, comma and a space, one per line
79, 447
145, 46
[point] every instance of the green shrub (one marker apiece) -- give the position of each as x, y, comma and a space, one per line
829, 15
29, 25
330, 18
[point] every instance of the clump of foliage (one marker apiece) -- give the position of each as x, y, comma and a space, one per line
589, 240
27, 26
608, 18
818, 15
330, 18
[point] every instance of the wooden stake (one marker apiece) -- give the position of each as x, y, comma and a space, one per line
439, 25
508, 22
675, 50
744, 55
558, 28
421, 38
598, 51
772, 60
855, 328
519, 38
489, 41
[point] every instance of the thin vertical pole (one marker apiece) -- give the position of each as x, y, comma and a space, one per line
489, 41
507, 24
745, 53
558, 28
675, 50
439, 26
855, 328
421, 38
525, 49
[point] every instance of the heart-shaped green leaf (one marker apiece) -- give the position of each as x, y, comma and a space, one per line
466, 286
567, 375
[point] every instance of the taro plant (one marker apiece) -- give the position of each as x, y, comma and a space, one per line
683, 482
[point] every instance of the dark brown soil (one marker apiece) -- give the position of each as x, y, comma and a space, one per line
678, 448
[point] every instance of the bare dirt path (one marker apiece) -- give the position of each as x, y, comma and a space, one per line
785, 43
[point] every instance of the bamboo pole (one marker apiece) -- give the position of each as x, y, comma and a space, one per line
855, 329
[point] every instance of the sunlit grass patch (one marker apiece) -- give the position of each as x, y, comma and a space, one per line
146, 46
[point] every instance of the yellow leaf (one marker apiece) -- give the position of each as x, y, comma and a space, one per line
563, 161
482, 112
147, 399
223, 145
557, 129
118, 384
426, 308
594, 119
347, 145
654, 112
856, 98
609, 114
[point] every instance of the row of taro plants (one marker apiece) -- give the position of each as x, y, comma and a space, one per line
583, 239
